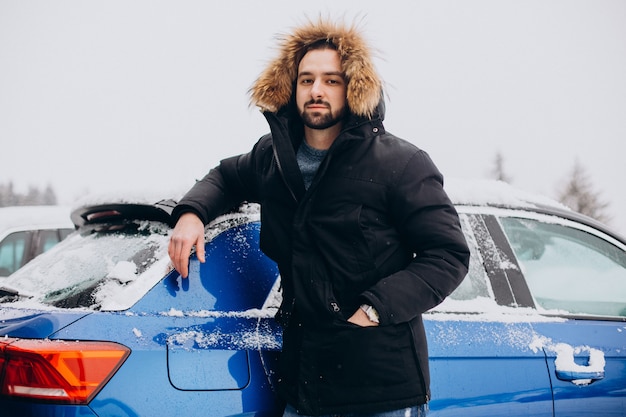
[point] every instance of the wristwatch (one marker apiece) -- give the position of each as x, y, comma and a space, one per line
371, 313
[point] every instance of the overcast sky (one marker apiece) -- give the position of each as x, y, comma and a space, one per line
102, 96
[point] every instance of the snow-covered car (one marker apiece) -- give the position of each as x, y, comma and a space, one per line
101, 325
27, 231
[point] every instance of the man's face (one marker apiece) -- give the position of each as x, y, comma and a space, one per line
321, 89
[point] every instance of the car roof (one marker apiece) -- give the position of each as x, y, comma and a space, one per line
496, 194
462, 192
35, 217
471, 192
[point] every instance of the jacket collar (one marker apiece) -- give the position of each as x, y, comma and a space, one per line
287, 133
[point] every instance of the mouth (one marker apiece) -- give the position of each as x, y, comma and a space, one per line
317, 106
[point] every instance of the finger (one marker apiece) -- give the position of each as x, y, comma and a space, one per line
200, 248
179, 256
183, 260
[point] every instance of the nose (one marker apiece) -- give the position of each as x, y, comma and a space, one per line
316, 89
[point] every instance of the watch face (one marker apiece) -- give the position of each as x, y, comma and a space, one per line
371, 313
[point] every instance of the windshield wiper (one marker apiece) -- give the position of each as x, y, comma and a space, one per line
11, 294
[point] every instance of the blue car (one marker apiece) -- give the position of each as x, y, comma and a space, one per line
100, 325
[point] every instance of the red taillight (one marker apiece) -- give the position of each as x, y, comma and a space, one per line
59, 371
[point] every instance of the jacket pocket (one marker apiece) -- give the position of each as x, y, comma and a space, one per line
341, 240
367, 364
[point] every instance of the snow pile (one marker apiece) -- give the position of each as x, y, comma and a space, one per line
123, 271
115, 296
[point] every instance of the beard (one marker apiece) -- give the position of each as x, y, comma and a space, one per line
319, 121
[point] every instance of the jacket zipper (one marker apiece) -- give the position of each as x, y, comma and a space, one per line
282, 175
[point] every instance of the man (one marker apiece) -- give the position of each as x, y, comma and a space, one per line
364, 236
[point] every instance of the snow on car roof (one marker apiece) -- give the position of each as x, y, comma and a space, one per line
35, 216
475, 192
132, 197
495, 193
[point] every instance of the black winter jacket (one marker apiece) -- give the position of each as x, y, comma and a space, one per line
375, 227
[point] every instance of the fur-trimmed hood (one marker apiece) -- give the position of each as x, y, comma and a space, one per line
274, 87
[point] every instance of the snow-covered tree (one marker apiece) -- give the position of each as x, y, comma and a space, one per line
579, 194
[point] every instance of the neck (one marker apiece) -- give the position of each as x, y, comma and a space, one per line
321, 139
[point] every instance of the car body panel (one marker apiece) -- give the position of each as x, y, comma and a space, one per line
17, 408
486, 368
35, 324
590, 388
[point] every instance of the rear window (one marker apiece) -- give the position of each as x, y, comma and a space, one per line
94, 266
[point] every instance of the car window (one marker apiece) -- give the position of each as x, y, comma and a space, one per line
475, 292
65, 233
568, 269
475, 283
47, 239
93, 267
12, 250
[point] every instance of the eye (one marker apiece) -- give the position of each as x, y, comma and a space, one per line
335, 81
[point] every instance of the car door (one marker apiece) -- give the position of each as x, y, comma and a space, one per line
482, 358
577, 274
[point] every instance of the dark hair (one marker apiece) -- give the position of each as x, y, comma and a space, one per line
319, 44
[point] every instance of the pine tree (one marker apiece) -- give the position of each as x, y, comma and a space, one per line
580, 196
49, 198
498, 169
33, 197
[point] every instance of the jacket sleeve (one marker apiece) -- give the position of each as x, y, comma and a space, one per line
430, 227
225, 187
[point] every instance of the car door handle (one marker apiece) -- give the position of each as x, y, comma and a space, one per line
580, 377
567, 369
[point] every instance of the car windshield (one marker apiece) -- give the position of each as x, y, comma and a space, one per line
94, 268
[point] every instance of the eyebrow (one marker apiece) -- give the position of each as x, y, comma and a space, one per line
337, 73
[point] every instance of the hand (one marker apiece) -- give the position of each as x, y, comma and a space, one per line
188, 232
360, 319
